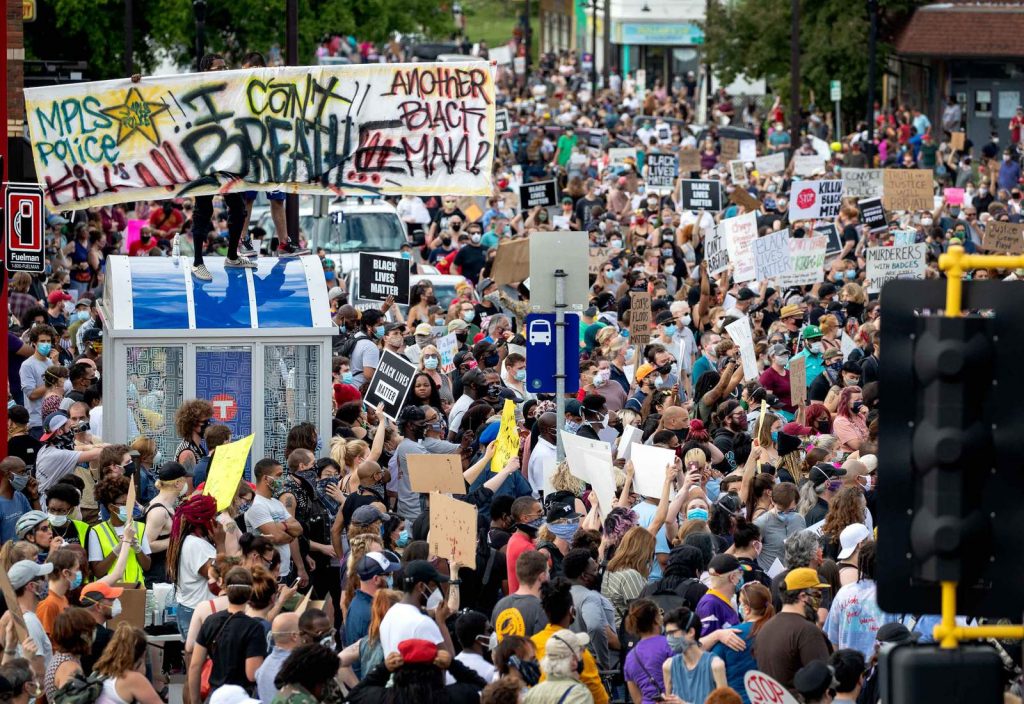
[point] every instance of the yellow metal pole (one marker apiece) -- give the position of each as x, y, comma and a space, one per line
946, 631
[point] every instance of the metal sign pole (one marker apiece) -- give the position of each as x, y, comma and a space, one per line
560, 306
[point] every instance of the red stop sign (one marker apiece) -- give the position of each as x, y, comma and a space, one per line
224, 407
805, 199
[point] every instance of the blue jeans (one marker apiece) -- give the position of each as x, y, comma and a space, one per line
184, 616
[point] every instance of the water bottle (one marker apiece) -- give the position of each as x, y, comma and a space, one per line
175, 248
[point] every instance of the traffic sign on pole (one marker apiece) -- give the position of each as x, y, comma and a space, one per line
541, 353
568, 252
835, 89
23, 221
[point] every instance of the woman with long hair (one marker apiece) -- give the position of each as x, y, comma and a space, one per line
123, 668
220, 567
759, 497
191, 421
425, 392
755, 609
306, 675
430, 364
258, 551
628, 570
171, 486
72, 639
196, 539
846, 508
830, 331
367, 651
850, 425
359, 543
642, 671
267, 597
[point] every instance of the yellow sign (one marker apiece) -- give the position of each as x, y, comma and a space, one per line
28, 10
508, 438
226, 471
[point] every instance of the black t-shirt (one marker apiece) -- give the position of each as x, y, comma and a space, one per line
26, 447
100, 641
582, 210
819, 388
471, 260
442, 218
230, 640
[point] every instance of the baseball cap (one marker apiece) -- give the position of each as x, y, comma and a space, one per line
811, 680
852, 536
564, 644
832, 354
490, 432
422, 329
365, 515
24, 571
416, 650
745, 294
377, 563
411, 414
643, 371
778, 351
52, 423
58, 296
558, 511
794, 428
811, 332
457, 324
484, 285
421, 571
335, 293
802, 578
896, 633
787, 443
231, 694
791, 311
573, 407
102, 589
170, 471
723, 563
390, 327
823, 471
665, 317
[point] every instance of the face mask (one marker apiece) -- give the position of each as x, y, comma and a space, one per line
277, 484
542, 216
347, 378
520, 375
44, 348
565, 531
446, 241
659, 382
76, 581
666, 252
328, 641
630, 353
19, 481
838, 276
532, 527
616, 244
775, 436
378, 331
530, 672
475, 238
787, 516
430, 362
57, 521
468, 316
926, 222
600, 379
571, 427
856, 406
817, 348
685, 321
82, 315
697, 514
122, 513
676, 643
403, 538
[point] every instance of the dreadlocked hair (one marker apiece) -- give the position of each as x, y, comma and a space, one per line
193, 517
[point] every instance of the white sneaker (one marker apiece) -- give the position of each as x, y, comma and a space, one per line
240, 263
202, 273
245, 249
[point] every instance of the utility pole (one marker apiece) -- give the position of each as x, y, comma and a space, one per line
291, 202
527, 36
606, 68
872, 60
794, 75
593, 43
199, 9
129, 32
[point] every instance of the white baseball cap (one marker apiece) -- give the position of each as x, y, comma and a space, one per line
852, 536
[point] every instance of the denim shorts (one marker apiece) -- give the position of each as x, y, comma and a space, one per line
184, 616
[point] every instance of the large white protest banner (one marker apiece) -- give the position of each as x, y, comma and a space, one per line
812, 200
862, 183
743, 336
739, 233
808, 165
888, 263
806, 261
363, 129
772, 163
771, 255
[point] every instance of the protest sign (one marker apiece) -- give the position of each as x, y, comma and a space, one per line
715, 252
741, 196
738, 172
649, 463
511, 262
813, 200
743, 336
501, 55
542, 193
957, 141
701, 195
831, 233
601, 476
508, 438
862, 183
888, 263
595, 138
872, 213
447, 348
661, 173
11, 600
381, 276
954, 196
771, 163
739, 232
226, 471
639, 317
730, 148
806, 261
902, 237
771, 255
689, 161
808, 164
762, 689
1003, 237
748, 149
361, 129
907, 189
441, 473
500, 122
390, 383
797, 381
452, 529
846, 346
617, 155
599, 256
630, 434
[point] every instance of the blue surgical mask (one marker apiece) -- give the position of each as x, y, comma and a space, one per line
403, 538
468, 316
851, 274
697, 514
82, 315
775, 436
630, 353
122, 513
565, 531
77, 581
838, 276
430, 363
319, 445
378, 331
520, 375
406, 255
347, 378
19, 481
670, 330
571, 427
11, 404
659, 382
44, 348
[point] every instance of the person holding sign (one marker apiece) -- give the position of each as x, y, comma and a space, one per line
105, 538
28, 580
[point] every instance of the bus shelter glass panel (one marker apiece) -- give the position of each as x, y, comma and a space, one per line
156, 388
291, 393
224, 378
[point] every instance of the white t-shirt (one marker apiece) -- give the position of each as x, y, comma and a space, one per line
193, 589
478, 664
404, 621
264, 511
54, 463
96, 552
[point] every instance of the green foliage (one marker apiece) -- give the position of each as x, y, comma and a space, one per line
751, 37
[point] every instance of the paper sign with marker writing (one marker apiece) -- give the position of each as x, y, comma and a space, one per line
807, 165
447, 348
640, 317
441, 473
771, 255
798, 381
226, 471
771, 163
846, 346
452, 529
508, 438
806, 261
649, 462
741, 334
907, 189
888, 263
1003, 237
739, 234
862, 183
954, 196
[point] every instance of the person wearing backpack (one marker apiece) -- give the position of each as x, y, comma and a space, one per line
680, 585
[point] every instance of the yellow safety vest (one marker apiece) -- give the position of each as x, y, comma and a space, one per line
109, 539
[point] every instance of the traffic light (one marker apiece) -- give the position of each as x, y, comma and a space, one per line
911, 674
951, 449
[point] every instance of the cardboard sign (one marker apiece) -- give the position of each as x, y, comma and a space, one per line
226, 471
617, 156
1003, 237
863, 183
958, 140
715, 252
743, 336
797, 381
511, 262
689, 161
171, 133
452, 529
771, 255
390, 383
954, 196
447, 348
815, 200
872, 214
381, 276
697, 194
846, 346
748, 149
640, 317
599, 256
808, 165
661, 173
738, 172
542, 193
649, 462
500, 122
771, 163
730, 148
133, 606
806, 261
470, 208
908, 189
888, 263
441, 473
741, 196
762, 689
508, 438
739, 233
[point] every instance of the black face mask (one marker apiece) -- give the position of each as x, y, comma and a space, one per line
446, 241
854, 310
529, 670
456, 226
461, 337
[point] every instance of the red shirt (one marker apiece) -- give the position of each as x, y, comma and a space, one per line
517, 545
778, 385
138, 248
166, 223
1015, 124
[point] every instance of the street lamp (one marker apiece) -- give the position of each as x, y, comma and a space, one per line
872, 58
199, 9
593, 42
